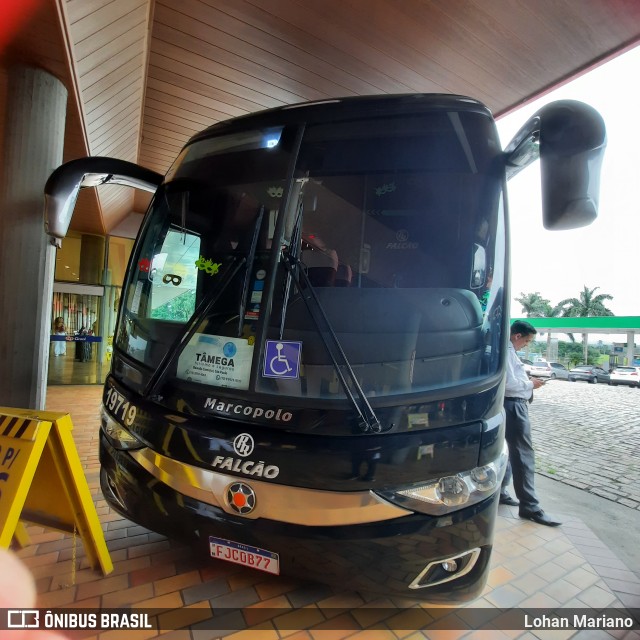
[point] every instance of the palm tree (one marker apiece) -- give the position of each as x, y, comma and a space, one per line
534, 305
588, 305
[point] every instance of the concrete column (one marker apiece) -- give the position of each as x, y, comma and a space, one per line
631, 336
34, 137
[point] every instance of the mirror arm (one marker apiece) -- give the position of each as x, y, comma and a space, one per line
64, 184
524, 148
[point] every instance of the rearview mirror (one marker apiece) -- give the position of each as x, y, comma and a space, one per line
570, 138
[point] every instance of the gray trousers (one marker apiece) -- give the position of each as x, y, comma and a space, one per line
521, 455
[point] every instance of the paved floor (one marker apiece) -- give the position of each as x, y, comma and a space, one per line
67, 369
533, 567
588, 436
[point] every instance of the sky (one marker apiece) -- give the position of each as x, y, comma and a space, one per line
558, 264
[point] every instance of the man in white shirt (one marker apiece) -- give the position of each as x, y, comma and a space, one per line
518, 390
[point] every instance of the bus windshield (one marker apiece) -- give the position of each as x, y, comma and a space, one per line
393, 234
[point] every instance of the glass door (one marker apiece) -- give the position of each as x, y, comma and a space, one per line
76, 354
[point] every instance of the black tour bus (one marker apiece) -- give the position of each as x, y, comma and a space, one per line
308, 365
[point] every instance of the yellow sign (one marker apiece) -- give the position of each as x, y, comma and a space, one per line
42, 481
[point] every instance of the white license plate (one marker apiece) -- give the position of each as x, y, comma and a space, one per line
244, 554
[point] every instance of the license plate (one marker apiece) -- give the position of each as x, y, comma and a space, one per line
244, 554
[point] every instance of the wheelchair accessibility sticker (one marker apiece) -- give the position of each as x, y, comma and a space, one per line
282, 359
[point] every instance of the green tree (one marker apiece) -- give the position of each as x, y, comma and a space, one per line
587, 305
572, 353
534, 305
179, 309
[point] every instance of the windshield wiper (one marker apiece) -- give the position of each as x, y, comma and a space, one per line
247, 276
368, 422
292, 255
226, 275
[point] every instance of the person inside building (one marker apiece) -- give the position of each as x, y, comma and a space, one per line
59, 346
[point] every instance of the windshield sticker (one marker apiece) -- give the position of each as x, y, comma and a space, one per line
208, 266
172, 278
253, 309
282, 359
137, 294
420, 420
216, 360
275, 192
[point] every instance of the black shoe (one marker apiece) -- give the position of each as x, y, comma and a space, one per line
540, 517
505, 498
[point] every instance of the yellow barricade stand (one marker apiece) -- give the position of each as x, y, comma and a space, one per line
42, 482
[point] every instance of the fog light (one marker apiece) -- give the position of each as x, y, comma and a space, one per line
446, 569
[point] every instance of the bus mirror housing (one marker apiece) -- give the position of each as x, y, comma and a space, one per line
569, 137
64, 184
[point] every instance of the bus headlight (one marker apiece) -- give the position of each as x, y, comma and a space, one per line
450, 493
484, 478
116, 434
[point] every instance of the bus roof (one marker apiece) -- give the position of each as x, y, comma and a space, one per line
339, 108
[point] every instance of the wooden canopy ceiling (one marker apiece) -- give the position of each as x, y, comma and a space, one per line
144, 75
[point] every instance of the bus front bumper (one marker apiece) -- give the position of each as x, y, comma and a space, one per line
437, 559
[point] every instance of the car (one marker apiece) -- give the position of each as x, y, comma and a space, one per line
540, 369
625, 375
527, 365
588, 373
559, 371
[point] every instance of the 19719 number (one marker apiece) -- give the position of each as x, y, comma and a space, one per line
120, 407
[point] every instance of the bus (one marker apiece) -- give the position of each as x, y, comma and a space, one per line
309, 359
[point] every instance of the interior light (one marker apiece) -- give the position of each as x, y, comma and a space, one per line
271, 138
